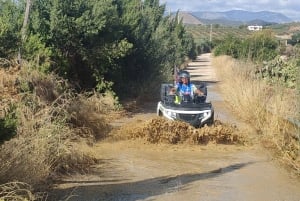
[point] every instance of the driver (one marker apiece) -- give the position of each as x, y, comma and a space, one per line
185, 87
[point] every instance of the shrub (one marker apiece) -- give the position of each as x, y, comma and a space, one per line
51, 119
269, 108
8, 124
259, 47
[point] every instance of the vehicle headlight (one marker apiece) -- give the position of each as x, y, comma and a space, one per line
206, 114
171, 114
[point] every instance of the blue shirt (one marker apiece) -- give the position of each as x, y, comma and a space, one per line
186, 89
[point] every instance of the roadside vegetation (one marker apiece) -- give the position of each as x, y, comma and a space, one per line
64, 74
259, 73
41, 126
260, 81
209, 36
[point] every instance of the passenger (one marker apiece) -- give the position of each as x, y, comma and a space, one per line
184, 87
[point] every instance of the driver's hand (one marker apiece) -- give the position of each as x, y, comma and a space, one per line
200, 93
173, 91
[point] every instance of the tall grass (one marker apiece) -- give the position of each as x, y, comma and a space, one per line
17, 191
52, 119
266, 107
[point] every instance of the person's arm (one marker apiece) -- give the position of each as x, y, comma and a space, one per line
172, 91
197, 91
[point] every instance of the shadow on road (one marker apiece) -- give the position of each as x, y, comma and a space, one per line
132, 191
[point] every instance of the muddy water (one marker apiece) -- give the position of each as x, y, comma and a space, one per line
136, 169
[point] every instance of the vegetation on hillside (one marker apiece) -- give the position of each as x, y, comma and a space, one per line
208, 36
276, 63
285, 29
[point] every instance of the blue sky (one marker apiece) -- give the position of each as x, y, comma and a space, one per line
290, 8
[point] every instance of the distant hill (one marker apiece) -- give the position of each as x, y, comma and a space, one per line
243, 17
266, 16
234, 18
188, 18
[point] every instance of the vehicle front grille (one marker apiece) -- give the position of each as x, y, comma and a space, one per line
188, 117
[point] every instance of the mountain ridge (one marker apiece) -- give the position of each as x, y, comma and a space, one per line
234, 17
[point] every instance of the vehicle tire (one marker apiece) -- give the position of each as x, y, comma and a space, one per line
212, 119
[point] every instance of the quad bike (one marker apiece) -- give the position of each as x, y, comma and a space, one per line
193, 110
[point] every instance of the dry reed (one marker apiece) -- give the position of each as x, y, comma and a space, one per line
267, 107
51, 119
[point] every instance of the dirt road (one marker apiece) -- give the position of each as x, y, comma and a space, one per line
135, 170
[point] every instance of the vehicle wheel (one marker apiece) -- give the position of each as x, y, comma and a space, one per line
212, 119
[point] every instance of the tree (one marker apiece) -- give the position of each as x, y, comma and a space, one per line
262, 46
84, 36
26, 17
295, 39
10, 23
106, 43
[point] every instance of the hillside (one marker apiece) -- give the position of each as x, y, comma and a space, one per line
215, 32
234, 17
207, 32
188, 18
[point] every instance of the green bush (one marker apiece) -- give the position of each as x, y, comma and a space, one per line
10, 24
260, 46
8, 124
283, 70
35, 51
230, 46
295, 39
